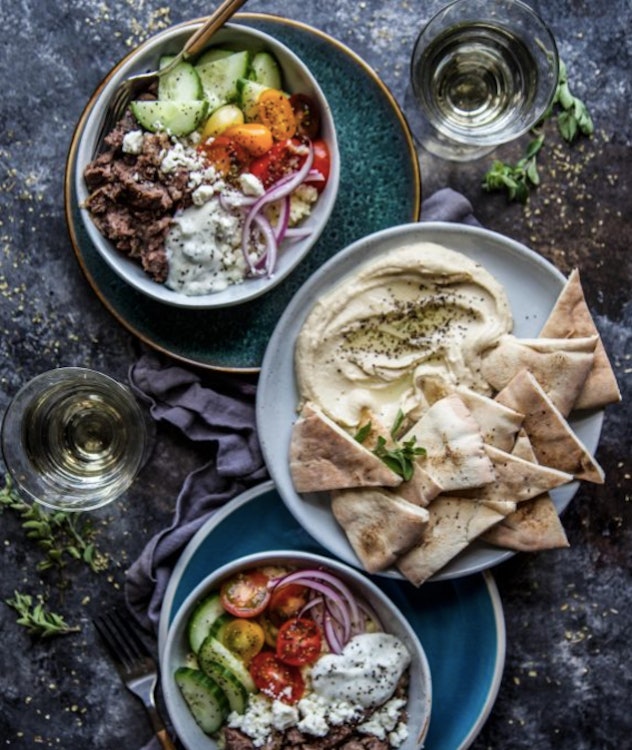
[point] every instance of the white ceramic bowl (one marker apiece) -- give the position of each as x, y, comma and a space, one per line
296, 78
176, 647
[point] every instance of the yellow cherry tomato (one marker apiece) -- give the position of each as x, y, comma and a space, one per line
245, 638
255, 137
222, 118
275, 110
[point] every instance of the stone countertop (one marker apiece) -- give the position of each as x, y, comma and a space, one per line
568, 664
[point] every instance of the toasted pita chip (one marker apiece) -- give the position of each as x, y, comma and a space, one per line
325, 457
571, 318
453, 524
535, 524
421, 489
499, 424
561, 366
554, 442
379, 525
455, 454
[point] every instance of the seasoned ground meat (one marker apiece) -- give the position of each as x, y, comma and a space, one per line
132, 201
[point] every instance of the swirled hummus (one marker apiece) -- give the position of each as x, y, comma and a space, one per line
405, 330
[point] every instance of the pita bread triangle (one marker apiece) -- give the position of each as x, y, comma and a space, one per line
561, 366
499, 425
571, 318
379, 525
455, 456
453, 524
325, 457
554, 442
535, 524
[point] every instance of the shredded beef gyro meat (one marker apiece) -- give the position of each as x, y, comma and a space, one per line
132, 201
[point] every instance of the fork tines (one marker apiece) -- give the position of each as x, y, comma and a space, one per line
121, 638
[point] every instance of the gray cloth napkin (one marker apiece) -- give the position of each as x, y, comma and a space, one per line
218, 411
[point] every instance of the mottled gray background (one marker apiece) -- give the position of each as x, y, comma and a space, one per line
566, 683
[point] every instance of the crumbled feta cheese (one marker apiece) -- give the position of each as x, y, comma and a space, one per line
284, 716
181, 157
250, 184
256, 721
133, 142
203, 194
384, 720
301, 202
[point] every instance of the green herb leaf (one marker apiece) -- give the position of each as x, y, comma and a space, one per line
37, 620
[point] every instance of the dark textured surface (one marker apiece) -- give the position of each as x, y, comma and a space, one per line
567, 678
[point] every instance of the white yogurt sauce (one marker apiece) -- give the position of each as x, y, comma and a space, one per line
204, 249
366, 673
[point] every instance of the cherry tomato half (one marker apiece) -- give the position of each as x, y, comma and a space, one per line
245, 594
276, 679
322, 163
299, 642
286, 602
306, 115
245, 638
226, 155
255, 137
281, 159
275, 111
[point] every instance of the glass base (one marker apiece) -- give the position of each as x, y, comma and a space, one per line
432, 140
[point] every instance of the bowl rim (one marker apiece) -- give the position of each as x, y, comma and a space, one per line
352, 576
129, 270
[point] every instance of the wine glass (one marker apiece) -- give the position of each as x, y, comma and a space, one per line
482, 73
74, 439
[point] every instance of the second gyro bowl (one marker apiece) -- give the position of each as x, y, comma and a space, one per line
329, 641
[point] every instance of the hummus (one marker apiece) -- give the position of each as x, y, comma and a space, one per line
405, 330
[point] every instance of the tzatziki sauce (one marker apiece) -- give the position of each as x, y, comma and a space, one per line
365, 673
204, 249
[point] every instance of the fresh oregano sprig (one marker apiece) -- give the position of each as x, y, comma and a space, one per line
39, 621
61, 536
572, 118
399, 458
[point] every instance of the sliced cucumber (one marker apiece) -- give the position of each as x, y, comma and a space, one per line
266, 70
219, 78
202, 619
248, 93
214, 651
233, 688
204, 697
219, 624
176, 117
212, 54
180, 84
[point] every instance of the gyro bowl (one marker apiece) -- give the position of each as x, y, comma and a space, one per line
280, 250
191, 642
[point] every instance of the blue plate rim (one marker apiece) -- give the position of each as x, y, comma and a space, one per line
485, 578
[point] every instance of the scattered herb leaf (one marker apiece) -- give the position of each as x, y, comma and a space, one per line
58, 534
401, 458
37, 620
572, 118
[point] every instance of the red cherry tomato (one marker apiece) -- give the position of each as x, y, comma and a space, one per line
276, 679
245, 594
322, 163
299, 642
306, 115
286, 602
281, 159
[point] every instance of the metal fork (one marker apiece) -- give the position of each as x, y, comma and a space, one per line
135, 665
129, 88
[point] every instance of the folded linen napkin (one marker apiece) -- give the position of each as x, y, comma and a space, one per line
217, 410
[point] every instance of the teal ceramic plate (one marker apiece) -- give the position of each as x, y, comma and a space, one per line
379, 187
460, 623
